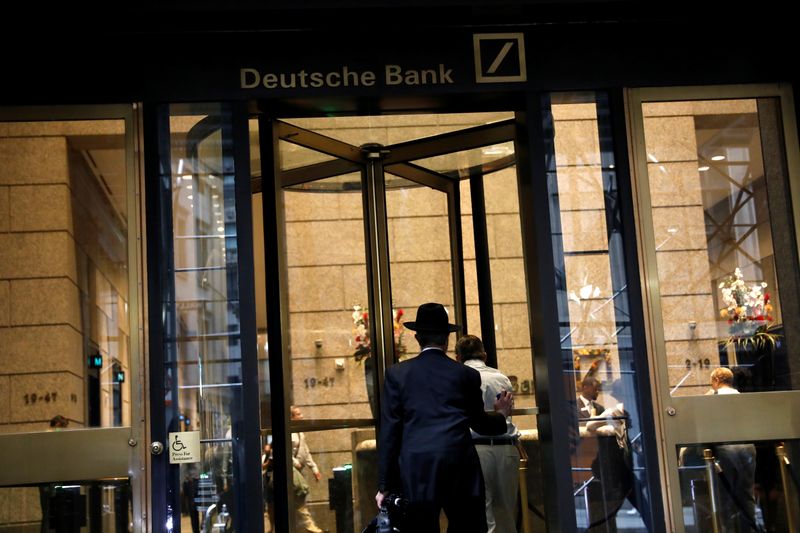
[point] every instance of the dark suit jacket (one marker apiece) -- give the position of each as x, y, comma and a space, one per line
429, 404
584, 413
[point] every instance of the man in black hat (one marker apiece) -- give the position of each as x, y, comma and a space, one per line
426, 452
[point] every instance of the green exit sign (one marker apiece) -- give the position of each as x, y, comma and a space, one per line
95, 361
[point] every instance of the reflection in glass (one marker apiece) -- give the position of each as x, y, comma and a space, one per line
202, 349
608, 470
64, 275
102, 506
738, 486
720, 296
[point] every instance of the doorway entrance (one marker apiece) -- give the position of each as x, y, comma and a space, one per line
372, 217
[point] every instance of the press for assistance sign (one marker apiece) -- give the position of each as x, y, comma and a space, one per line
184, 447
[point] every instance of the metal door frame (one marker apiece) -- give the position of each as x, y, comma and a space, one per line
689, 425
372, 162
96, 453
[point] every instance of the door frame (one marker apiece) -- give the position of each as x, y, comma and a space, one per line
679, 420
109, 452
369, 161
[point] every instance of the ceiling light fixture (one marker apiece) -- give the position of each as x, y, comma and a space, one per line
717, 157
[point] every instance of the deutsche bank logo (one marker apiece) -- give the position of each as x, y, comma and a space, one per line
499, 57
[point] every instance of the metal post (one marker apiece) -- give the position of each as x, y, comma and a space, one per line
523, 491
783, 461
711, 476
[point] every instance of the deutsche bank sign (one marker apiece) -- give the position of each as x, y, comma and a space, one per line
499, 57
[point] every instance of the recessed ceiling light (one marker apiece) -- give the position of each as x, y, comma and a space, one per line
703, 168
717, 157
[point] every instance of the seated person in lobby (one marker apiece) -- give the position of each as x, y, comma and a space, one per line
587, 399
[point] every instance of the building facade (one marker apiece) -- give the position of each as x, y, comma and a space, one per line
213, 220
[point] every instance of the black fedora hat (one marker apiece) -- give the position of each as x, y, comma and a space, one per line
431, 318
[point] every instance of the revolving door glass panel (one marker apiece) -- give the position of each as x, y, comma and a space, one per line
367, 231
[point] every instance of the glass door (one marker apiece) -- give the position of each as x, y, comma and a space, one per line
71, 418
363, 234
717, 182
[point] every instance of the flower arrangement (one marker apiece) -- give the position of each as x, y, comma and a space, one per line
748, 312
361, 332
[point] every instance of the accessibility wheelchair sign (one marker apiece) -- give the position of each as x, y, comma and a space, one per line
184, 447
499, 57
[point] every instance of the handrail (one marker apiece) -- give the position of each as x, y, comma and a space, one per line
784, 466
711, 477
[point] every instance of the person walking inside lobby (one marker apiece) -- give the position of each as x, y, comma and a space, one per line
301, 458
430, 402
499, 455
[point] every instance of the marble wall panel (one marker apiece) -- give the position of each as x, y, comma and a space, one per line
465, 199
324, 243
5, 303
473, 320
62, 127
351, 409
505, 232
670, 139
678, 311
470, 283
316, 288
577, 143
27, 161
589, 269
584, 231
516, 362
348, 386
419, 239
29, 393
20, 506
333, 328
698, 107
500, 192
355, 285
45, 301
5, 400
416, 201
684, 272
514, 330
697, 376
508, 281
416, 283
40, 208
37, 255
5, 211
468, 238
310, 206
41, 349
674, 184
679, 228
574, 111
580, 188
